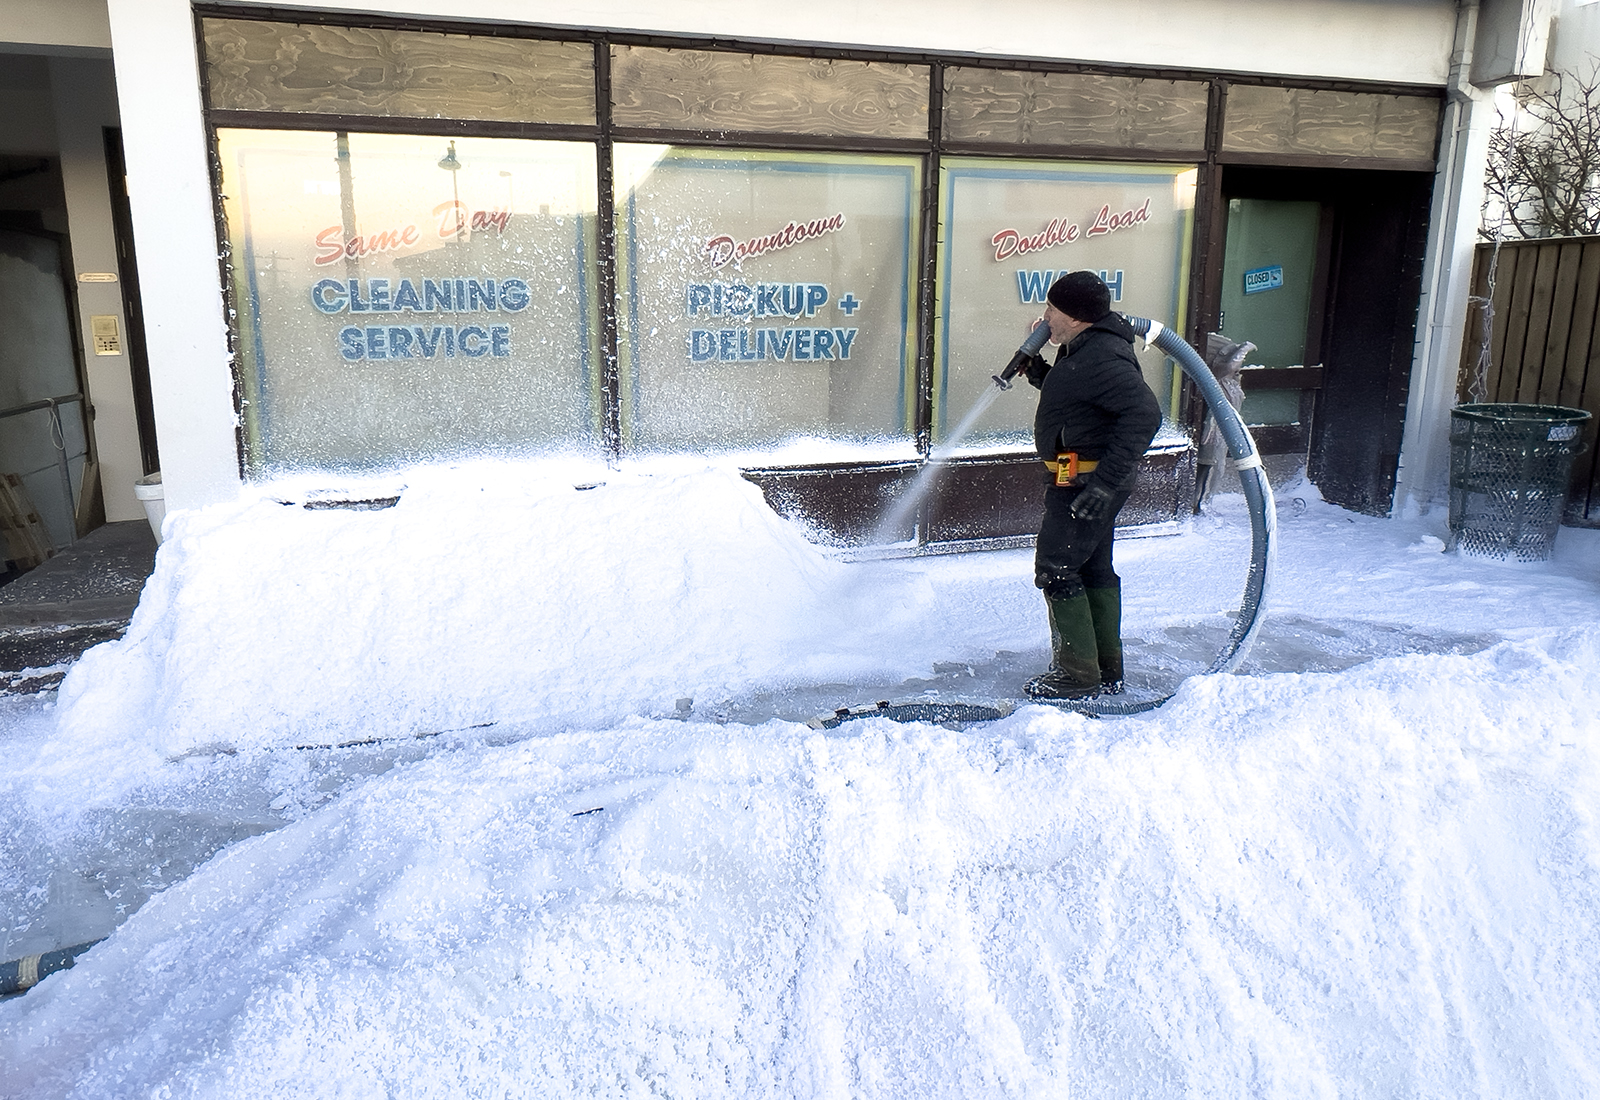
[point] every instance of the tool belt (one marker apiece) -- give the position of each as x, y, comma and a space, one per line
1068, 466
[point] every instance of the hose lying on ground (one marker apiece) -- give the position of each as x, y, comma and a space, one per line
21, 975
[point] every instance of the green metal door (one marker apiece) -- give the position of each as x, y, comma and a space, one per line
1268, 268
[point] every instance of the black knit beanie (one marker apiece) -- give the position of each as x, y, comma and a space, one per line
1081, 295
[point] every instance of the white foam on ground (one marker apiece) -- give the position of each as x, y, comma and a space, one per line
489, 597
1379, 882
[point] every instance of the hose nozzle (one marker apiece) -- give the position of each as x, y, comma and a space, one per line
1030, 347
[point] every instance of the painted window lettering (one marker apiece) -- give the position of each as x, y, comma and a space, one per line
722, 249
748, 345
383, 342
743, 301
332, 245
1009, 242
1058, 231
760, 300
370, 343
447, 295
1033, 285
453, 219
1107, 222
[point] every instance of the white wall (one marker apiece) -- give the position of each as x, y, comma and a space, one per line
1388, 40
1575, 39
1447, 282
169, 190
59, 26
85, 102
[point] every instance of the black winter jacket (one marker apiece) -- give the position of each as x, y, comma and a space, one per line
1094, 401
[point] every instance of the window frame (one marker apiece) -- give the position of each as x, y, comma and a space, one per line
1204, 248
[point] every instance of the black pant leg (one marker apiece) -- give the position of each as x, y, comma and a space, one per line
1072, 553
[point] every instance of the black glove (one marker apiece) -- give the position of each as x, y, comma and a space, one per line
1036, 368
1091, 504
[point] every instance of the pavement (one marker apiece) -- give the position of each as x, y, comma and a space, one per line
82, 596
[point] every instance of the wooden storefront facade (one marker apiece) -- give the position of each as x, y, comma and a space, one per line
1364, 152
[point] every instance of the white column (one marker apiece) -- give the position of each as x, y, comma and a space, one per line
1446, 280
169, 189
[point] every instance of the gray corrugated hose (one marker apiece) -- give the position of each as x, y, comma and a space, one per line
1257, 493
21, 975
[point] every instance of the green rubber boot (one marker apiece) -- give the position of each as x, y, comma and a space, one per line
1105, 605
1075, 668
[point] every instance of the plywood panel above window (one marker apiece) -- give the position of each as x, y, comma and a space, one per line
701, 90
258, 66
1006, 106
1301, 122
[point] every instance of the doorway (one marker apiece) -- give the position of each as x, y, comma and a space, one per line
1321, 268
45, 441
1274, 272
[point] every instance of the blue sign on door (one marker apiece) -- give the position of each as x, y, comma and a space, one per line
1263, 278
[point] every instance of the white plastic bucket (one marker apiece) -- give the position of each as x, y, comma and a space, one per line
150, 493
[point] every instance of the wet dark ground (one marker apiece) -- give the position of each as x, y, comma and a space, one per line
82, 596
1156, 664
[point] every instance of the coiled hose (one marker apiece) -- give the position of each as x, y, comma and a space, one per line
1257, 493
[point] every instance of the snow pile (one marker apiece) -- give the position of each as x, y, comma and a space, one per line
1380, 881
486, 595
1376, 883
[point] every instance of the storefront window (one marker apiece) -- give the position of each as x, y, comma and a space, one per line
1008, 229
767, 300
401, 298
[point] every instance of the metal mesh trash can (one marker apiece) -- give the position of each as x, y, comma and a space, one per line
1509, 469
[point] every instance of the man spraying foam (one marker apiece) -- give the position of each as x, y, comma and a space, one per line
1096, 418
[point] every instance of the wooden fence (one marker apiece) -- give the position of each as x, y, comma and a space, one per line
1544, 342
